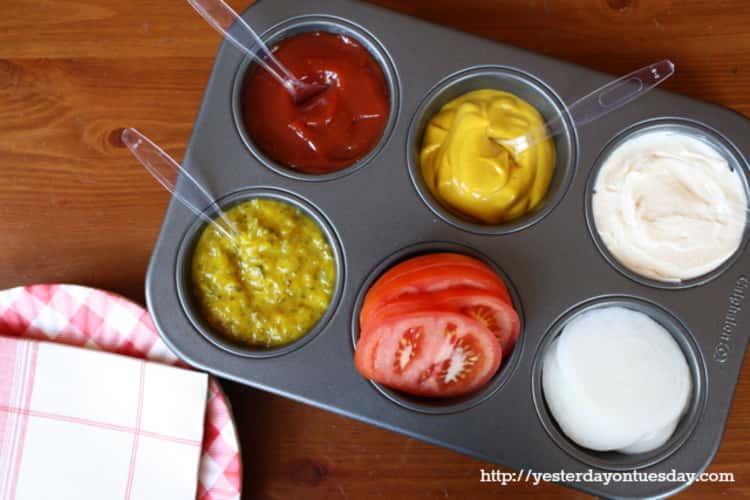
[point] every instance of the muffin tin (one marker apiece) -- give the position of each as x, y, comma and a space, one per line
377, 212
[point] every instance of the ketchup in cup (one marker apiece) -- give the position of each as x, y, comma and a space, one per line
331, 130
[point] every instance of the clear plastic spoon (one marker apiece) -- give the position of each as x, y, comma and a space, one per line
227, 22
598, 103
164, 168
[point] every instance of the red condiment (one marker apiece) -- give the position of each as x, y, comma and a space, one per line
333, 129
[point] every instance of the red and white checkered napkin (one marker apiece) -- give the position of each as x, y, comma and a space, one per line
97, 319
88, 425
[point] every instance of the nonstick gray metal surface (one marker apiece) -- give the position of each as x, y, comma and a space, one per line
377, 212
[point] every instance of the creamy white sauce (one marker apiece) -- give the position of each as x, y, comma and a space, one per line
667, 206
616, 380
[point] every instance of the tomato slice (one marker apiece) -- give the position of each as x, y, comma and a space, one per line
432, 260
429, 353
432, 279
497, 316
435, 261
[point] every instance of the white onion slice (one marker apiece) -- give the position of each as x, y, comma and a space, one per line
615, 379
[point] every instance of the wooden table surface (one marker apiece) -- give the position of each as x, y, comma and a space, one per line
75, 208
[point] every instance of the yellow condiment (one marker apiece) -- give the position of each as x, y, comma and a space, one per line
474, 175
275, 284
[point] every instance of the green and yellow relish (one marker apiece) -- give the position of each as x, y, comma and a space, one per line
270, 286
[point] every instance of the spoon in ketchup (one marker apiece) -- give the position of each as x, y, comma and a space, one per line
227, 22
165, 169
598, 103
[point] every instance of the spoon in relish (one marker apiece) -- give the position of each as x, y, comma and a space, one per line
165, 170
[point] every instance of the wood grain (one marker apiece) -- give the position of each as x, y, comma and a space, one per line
75, 208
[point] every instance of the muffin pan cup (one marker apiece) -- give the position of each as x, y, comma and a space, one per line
185, 285
612, 460
375, 212
682, 126
439, 406
527, 88
329, 24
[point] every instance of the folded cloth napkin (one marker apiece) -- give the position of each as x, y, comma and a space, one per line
81, 424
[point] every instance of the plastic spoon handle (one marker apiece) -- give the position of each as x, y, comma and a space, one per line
227, 22
165, 169
598, 103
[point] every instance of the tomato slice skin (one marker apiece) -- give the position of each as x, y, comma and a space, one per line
430, 353
500, 318
429, 280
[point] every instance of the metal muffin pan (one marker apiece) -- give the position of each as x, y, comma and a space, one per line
376, 212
